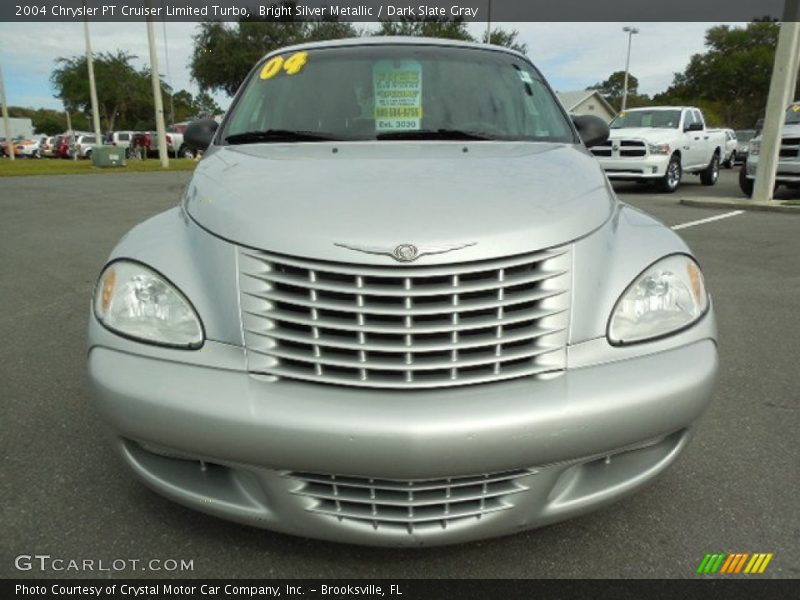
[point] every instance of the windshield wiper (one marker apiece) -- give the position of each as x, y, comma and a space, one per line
278, 135
433, 134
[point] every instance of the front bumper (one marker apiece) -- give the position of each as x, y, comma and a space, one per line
225, 442
649, 167
788, 170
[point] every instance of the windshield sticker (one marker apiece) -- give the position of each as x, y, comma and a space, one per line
796, 108
291, 65
525, 76
398, 95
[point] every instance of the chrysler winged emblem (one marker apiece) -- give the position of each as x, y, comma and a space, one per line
406, 252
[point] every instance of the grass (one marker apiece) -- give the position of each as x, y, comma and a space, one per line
59, 166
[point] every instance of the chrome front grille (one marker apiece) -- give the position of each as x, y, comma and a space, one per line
405, 327
790, 148
632, 148
621, 149
410, 504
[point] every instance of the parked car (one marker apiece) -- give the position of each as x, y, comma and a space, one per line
659, 145
743, 137
788, 159
121, 139
386, 312
731, 147
27, 147
83, 146
46, 147
141, 144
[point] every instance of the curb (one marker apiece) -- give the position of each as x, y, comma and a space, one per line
740, 204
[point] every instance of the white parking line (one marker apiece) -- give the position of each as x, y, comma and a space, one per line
708, 220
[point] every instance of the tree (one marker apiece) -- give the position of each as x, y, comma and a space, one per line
731, 79
438, 27
501, 37
48, 121
223, 55
615, 84
124, 94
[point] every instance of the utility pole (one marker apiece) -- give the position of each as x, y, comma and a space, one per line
6, 122
92, 86
157, 100
781, 92
631, 31
169, 76
69, 129
489, 22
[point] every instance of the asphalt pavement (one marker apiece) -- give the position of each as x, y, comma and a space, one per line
65, 494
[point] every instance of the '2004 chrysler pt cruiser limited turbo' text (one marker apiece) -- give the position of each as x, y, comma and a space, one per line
399, 304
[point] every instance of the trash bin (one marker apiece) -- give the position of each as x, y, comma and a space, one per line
108, 156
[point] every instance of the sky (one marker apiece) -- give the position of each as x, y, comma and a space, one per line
571, 56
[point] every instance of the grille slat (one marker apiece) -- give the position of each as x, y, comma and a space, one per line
409, 504
405, 327
408, 308
487, 339
427, 290
454, 323
412, 362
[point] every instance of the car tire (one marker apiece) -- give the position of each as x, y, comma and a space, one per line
731, 161
671, 180
185, 152
745, 184
88, 154
710, 175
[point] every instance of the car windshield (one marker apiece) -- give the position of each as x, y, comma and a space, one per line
390, 92
659, 119
793, 114
745, 135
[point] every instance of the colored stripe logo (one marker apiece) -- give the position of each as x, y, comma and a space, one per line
734, 563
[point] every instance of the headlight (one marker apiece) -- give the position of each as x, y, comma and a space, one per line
669, 296
755, 148
137, 302
660, 149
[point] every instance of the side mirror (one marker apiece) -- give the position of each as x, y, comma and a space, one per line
694, 127
199, 134
593, 130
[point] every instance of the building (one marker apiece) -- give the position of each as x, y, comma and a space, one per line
18, 127
587, 102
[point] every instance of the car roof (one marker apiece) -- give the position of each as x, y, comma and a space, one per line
387, 40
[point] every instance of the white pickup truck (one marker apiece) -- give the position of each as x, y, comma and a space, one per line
659, 144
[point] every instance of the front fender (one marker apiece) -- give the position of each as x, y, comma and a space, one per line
201, 265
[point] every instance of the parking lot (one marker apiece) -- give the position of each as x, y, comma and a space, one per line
67, 495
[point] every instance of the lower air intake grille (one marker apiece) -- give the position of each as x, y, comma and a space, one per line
398, 326
410, 504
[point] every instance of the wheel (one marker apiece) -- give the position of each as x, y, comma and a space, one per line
671, 180
185, 152
710, 175
745, 184
88, 154
731, 161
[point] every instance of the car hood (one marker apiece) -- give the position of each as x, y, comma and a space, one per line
651, 134
303, 199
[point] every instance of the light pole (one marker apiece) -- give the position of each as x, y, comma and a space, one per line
6, 123
92, 87
630, 31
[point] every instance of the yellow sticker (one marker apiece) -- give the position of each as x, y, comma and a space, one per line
622, 114
272, 67
796, 107
291, 65
295, 62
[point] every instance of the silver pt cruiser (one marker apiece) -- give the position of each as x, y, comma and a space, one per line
400, 304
